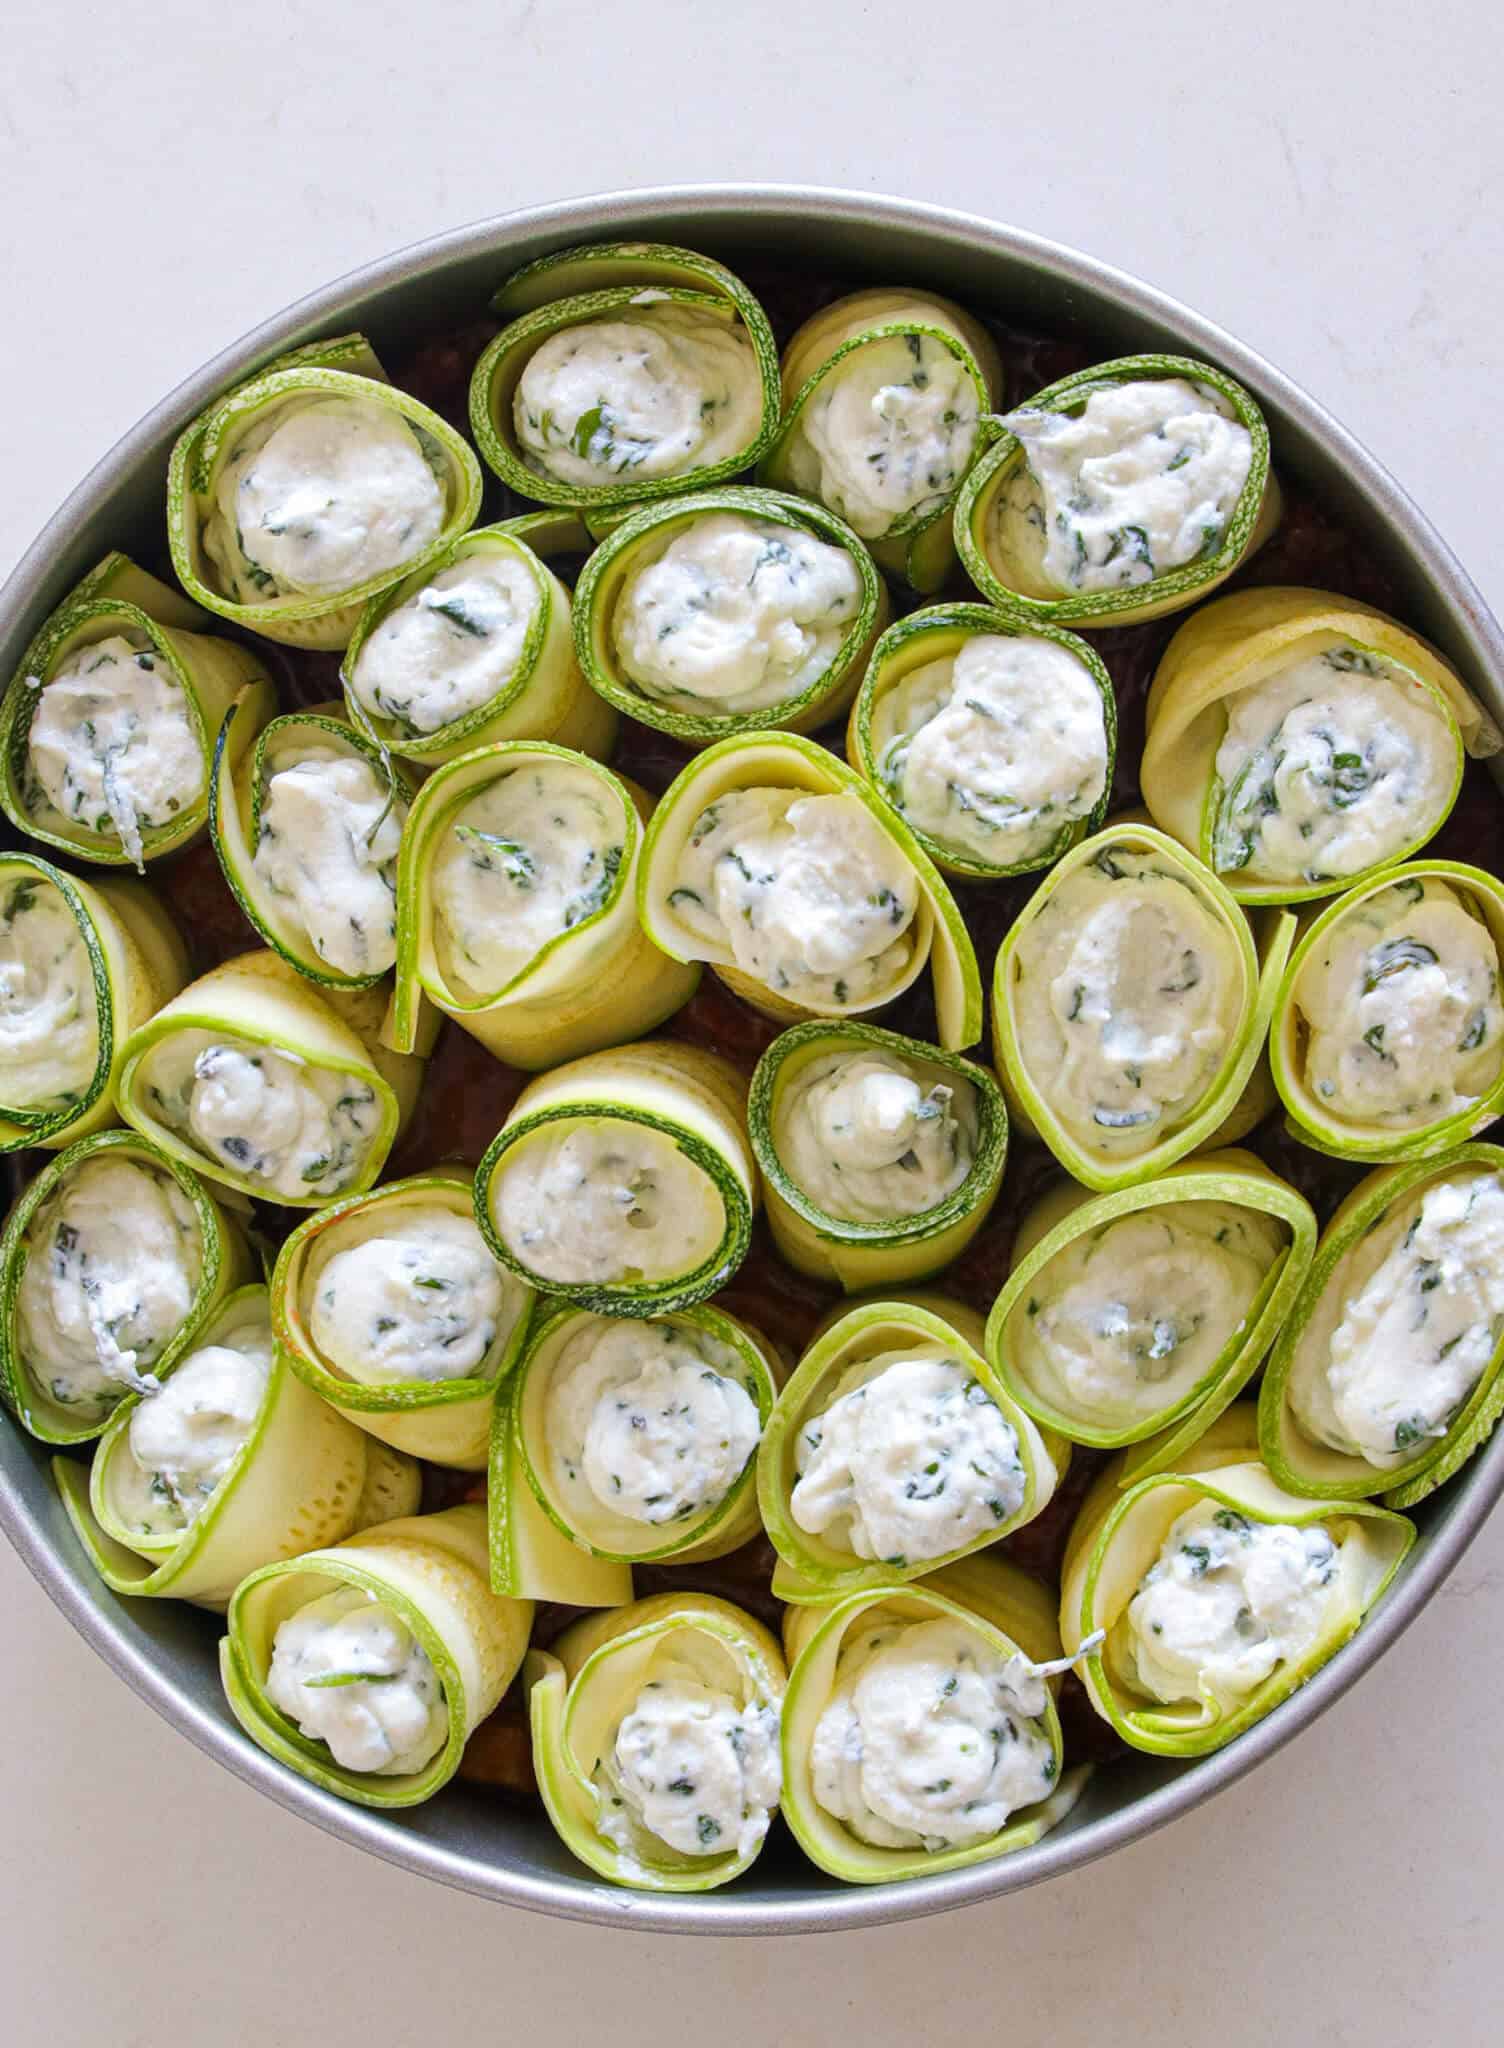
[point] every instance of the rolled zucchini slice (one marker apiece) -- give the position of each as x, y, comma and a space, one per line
627, 371
111, 1263
82, 964
1219, 1594
1389, 1372
655, 1740
365, 1666
477, 647
265, 1084
1299, 742
230, 1465
993, 743
1144, 1313
624, 1181
894, 1450
391, 1308
517, 913
1388, 1033
107, 729
776, 863
884, 396
881, 1157
1117, 494
300, 493
729, 611
1130, 1006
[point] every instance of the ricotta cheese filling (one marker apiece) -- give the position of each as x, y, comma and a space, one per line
872, 1136
1334, 764
1140, 481
326, 850
647, 1420
267, 1116
1127, 996
450, 647
910, 1458
1401, 1007
657, 389
349, 1671
605, 1201
735, 614
931, 1738
113, 744
887, 435
113, 1260
997, 752
1127, 1319
49, 1011
1227, 1601
320, 494
807, 893
528, 858
183, 1438
1408, 1322
408, 1291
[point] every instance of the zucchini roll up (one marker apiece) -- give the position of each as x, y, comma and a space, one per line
1117, 494
107, 730
884, 396
391, 1308
627, 371
1300, 742
299, 493
1130, 1006
655, 1740
1389, 1372
776, 863
1388, 1033
993, 743
228, 1465
881, 1157
729, 611
517, 913
365, 1666
112, 1261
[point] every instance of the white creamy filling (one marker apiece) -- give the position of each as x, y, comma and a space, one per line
1327, 767
654, 390
647, 1420
410, 1292
1226, 1602
869, 1136
268, 1116
736, 614
320, 494
1125, 1320
326, 849
112, 742
348, 1670
1128, 993
49, 1011
450, 647
887, 435
808, 893
1141, 481
112, 1265
910, 1458
529, 857
997, 752
1409, 1321
1401, 1005
184, 1436
605, 1201
931, 1738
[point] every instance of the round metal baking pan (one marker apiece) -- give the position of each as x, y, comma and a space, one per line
467, 1837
